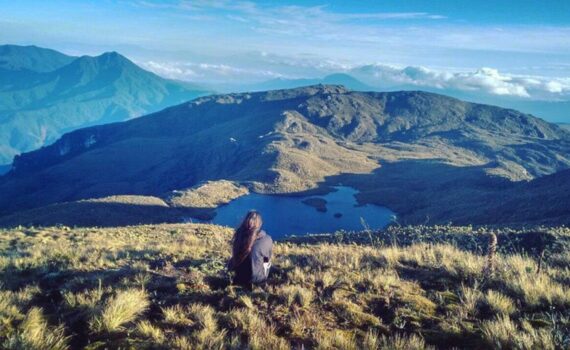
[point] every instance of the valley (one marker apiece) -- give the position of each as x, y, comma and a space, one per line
427, 157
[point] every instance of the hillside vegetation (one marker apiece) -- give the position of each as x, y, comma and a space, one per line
165, 287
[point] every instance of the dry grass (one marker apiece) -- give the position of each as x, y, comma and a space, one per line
35, 333
165, 287
499, 303
122, 308
504, 333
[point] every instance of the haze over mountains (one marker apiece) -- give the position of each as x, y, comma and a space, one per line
421, 154
44, 93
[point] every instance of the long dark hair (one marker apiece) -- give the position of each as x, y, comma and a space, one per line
244, 237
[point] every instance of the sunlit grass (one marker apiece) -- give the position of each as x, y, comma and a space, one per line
122, 308
166, 286
34, 332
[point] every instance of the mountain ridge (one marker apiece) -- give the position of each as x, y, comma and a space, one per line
545, 109
291, 141
32, 58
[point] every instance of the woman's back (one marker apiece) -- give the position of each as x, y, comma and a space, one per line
255, 267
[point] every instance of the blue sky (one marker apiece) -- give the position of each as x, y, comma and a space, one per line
514, 49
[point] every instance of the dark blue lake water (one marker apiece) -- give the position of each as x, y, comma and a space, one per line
290, 216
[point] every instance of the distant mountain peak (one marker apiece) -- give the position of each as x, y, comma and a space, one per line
107, 59
31, 58
318, 89
116, 59
106, 62
57, 93
112, 56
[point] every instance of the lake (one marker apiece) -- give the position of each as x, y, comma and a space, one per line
289, 215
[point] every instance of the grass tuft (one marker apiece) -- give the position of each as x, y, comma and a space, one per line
122, 308
401, 342
35, 333
499, 303
503, 333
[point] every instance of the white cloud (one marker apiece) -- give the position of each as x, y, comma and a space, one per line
267, 66
484, 80
171, 71
313, 41
318, 63
207, 72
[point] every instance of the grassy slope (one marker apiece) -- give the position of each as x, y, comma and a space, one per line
165, 287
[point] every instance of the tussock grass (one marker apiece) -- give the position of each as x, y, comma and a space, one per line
124, 307
165, 286
176, 315
258, 332
504, 333
35, 333
399, 342
148, 330
353, 314
293, 294
499, 303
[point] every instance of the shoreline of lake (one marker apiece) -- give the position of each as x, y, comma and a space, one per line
337, 210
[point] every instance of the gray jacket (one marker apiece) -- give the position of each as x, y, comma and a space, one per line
255, 268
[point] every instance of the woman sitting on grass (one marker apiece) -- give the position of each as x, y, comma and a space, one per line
251, 252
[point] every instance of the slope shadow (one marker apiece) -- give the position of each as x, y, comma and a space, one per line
430, 191
420, 192
102, 214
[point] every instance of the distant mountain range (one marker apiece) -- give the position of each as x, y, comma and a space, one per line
44, 93
343, 79
428, 157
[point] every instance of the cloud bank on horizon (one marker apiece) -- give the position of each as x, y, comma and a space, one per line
514, 49
484, 80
